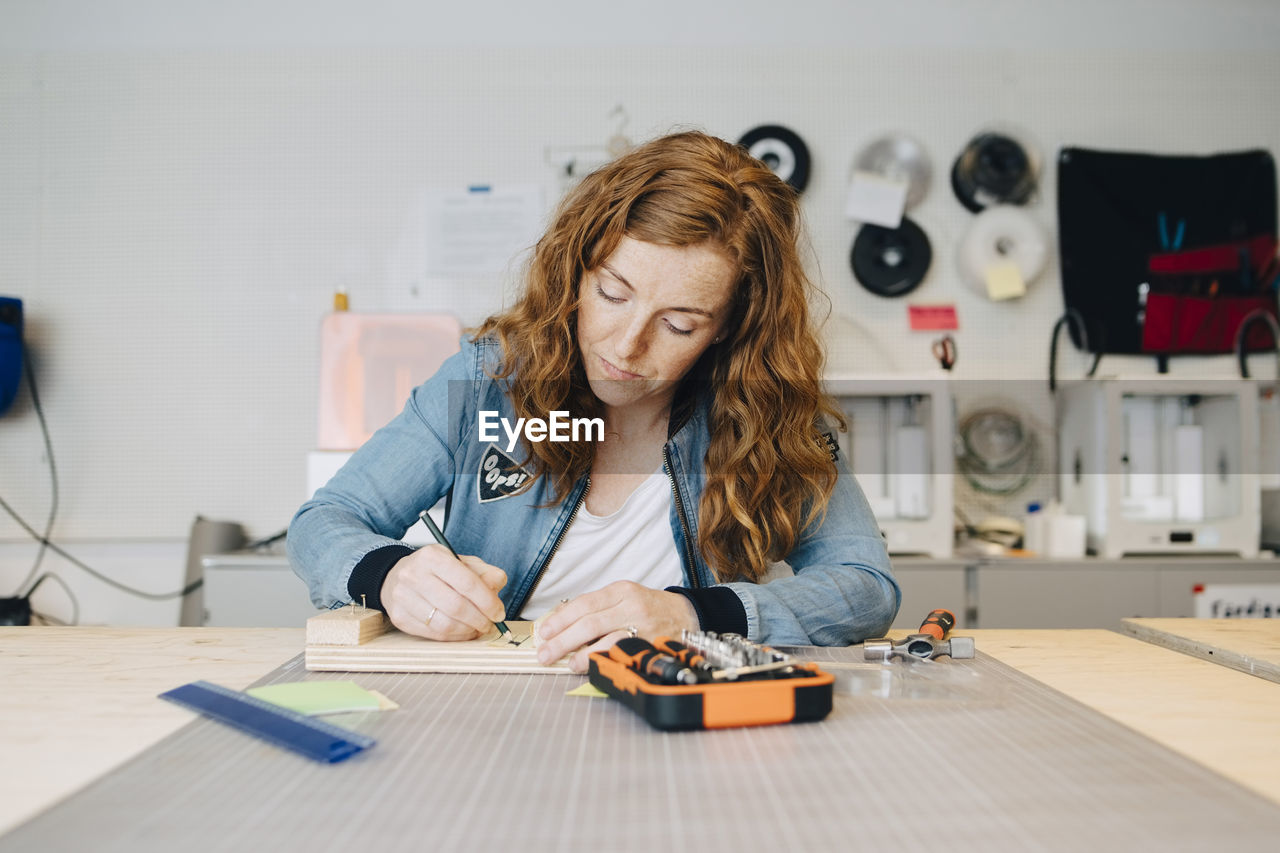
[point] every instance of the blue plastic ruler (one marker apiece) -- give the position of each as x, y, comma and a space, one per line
313, 738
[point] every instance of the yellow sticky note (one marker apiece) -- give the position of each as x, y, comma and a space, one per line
384, 704
318, 697
1004, 281
586, 688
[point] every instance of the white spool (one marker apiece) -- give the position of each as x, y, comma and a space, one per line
1000, 235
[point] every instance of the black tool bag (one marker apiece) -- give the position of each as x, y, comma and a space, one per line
1197, 233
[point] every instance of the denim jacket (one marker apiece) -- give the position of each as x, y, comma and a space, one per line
345, 539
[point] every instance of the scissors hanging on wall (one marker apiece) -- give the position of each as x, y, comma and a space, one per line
944, 350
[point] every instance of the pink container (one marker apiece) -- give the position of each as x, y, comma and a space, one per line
369, 364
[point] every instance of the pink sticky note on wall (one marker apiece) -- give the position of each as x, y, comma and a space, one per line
932, 318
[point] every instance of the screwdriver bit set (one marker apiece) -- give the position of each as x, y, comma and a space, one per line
706, 680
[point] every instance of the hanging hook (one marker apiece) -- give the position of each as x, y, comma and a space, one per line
620, 113
618, 143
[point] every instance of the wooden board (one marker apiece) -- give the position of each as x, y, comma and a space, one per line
80, 701
1224, 719
395, 651
1249, 645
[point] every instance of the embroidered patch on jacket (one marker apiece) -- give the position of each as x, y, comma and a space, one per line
499, 476
828, 439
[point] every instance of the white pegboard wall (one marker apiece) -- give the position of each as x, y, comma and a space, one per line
192, 213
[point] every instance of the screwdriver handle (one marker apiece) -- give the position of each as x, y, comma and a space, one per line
682, 652
632, 652
637, 653
938, 624
687, 656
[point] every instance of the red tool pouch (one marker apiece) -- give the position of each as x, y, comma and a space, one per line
1199, 297
1203, 325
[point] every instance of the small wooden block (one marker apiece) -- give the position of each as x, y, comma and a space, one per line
346, 626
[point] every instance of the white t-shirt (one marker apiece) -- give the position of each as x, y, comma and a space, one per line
634, 543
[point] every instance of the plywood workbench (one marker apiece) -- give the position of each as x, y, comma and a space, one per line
78, 702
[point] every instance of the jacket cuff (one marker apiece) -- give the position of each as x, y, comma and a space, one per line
365, 583
719, 609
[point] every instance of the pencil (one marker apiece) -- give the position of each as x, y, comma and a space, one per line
439, 535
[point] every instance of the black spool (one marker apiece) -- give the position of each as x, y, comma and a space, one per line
891, 261
993, 169
782, 151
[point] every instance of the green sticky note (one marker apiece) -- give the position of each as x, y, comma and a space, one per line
317, 697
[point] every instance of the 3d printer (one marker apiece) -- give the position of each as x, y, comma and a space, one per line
899, 445
1161, 466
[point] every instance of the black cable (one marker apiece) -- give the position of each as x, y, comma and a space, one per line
1093, 368
75, 604
266, 540
1071, 315
150, 596
1259, 315
45, 543
53, 467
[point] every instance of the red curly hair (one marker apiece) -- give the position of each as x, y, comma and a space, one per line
768, 475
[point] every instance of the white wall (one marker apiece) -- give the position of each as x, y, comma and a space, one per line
184, 185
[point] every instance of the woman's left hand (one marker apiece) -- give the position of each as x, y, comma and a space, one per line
596, 620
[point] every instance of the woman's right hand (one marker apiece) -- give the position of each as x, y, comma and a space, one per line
430, 594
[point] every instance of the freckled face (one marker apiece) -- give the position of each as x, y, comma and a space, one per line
647, 314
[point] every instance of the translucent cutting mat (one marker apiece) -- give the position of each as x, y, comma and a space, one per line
959, 756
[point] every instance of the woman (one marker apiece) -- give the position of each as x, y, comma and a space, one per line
667, 300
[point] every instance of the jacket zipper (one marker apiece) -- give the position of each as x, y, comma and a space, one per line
555, 546
689, 570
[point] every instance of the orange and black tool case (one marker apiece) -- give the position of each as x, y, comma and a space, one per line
798, 692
